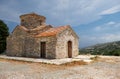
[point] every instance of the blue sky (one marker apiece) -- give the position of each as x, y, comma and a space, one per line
95, 21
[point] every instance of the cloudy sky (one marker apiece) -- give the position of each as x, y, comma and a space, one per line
95, 21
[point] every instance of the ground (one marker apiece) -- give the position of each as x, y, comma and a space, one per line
104, 67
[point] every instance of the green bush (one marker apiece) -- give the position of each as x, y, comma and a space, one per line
3, 35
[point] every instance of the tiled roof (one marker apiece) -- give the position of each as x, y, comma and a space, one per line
52, 31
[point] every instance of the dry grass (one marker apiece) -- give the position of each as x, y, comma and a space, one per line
95, 58
74, 63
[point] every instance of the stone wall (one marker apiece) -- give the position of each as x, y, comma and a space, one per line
32, 47
21, 43
62, 44
50, 46
15, 42
32, 20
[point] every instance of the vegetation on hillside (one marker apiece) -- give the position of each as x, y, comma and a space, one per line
112, 48
3, 35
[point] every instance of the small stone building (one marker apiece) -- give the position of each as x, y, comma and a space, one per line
33, 38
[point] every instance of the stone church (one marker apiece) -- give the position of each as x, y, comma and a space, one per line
34, 38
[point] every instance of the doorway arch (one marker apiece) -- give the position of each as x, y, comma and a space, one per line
69, 49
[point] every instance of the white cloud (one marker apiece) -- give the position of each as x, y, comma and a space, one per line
111, 23
112, 10
108, 37
107, 26
98, 28
62, 12
78, 12
92, 40
8, 12
117, 25
58, 12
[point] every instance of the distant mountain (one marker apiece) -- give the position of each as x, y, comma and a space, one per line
111, 48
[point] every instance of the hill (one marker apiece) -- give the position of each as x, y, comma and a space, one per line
111, 48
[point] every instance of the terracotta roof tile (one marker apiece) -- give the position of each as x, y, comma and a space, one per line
52, 31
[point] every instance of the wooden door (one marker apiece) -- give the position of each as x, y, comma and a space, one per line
69, 49
43, 49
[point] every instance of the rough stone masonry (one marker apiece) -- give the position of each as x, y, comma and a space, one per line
34, 38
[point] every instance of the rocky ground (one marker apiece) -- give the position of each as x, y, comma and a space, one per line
101, 68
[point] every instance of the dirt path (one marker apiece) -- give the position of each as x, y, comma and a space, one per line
104, 68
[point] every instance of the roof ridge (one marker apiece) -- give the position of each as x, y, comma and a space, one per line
53, 31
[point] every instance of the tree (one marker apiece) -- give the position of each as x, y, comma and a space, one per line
4, 32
